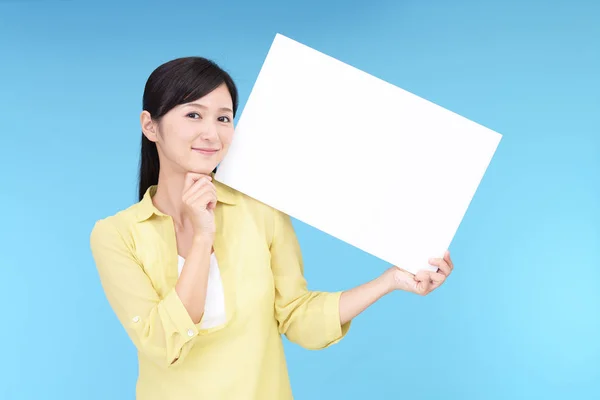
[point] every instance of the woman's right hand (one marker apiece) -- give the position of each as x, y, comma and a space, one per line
199, 202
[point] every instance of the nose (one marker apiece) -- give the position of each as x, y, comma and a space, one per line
209, 131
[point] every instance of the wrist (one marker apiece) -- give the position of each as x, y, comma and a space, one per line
203, 240
387, 282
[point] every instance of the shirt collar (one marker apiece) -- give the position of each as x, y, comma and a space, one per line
146, 207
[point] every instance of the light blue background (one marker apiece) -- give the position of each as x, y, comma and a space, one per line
519, 318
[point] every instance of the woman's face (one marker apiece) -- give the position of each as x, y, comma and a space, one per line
194, 137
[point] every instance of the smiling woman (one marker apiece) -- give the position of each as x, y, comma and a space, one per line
183, 96
205, 279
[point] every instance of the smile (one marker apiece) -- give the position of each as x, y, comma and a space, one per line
207, 152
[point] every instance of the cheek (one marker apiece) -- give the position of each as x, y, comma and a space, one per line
179, 132
226, 135
175, 140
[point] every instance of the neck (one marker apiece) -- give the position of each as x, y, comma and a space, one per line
168, 195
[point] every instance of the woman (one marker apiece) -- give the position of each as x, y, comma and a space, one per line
204, 278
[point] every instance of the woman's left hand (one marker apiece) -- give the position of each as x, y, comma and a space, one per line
424, 282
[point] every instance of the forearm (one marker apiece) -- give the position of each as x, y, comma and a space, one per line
356, 300
192, 284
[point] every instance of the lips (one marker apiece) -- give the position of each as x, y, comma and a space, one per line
205, 150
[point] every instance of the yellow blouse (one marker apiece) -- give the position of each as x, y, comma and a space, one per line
265, 296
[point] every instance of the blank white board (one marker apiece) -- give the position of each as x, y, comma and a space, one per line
356, 157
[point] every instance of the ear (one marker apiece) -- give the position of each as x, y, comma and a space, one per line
149, 127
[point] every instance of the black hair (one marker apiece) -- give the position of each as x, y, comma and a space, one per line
173, 83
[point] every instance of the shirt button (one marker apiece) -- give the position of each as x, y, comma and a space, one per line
190, 333
136, 319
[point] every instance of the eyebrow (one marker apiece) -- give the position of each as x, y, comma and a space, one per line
204, 107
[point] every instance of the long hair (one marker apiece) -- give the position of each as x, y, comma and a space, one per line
176, 82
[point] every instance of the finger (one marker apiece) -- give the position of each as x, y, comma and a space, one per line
205, 194
197, 187
437, 278
423, 282
448, 259
201, 187
191, 178
429, 280
422, 275
208, 200
424, 287
441, 264
436, 262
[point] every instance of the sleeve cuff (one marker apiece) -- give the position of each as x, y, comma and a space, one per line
333, 329
182, 322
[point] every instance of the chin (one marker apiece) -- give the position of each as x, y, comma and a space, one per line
202, 169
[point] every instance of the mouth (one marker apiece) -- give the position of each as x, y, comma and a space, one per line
205, 151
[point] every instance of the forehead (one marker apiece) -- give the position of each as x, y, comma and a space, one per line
218, 98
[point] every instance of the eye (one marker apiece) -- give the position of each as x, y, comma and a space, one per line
224, 119
193, 115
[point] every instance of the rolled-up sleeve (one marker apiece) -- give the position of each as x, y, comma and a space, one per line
160, 328
310, 319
